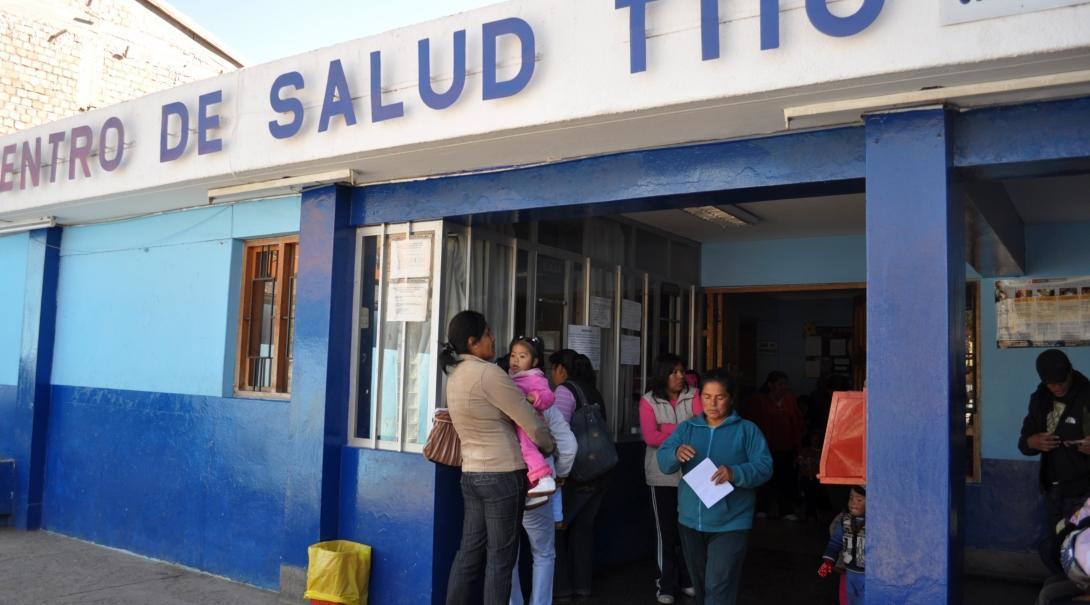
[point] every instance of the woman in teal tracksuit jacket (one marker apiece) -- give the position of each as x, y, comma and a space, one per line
714, 539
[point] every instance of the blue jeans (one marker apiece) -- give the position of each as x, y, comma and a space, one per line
855, 585
541, 529
715, 563
490, 536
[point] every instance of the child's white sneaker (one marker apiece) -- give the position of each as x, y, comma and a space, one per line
544, 487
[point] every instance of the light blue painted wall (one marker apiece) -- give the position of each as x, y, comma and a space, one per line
1053, 250
151, 304
13, 254
836, 259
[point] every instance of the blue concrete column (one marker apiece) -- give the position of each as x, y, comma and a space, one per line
30, 417
318, 425
915, 361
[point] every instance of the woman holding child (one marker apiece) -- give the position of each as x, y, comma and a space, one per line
483, 402
714, 538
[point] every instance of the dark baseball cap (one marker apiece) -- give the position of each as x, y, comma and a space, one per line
1053, 366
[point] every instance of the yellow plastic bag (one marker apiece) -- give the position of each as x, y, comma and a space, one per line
337, 572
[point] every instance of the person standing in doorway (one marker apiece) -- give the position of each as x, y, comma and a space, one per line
1056, 426
670, 402
715, 538
775, 412
485, 405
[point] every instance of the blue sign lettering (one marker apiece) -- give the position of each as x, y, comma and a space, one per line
166, 152
79, 149
380, 112
207, 122
431, 98
637, 33
7, 168
337, 99
293, 106
111, 164
831, 25
31, 164
494, 89
709, 29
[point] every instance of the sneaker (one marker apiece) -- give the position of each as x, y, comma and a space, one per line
544, 487
689, 591
666, 599
792, 517
533, 502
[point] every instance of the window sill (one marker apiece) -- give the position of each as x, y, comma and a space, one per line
262, 395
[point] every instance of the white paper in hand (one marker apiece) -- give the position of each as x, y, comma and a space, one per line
700, 479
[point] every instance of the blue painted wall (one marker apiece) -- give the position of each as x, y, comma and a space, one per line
1052, 250
191, 479
146, 449
156, 298
13, 256
389, 501
815, 260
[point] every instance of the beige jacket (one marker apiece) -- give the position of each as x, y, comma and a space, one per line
483, 402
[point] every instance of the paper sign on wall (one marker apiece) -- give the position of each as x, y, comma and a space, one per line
630, 350
410, 258
408, 301
588, 341
601, 313
631, 315
1052, 312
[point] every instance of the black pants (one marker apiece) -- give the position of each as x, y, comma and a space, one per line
575, 540
494, 503
672, 572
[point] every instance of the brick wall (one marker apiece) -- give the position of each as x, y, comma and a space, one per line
62, 57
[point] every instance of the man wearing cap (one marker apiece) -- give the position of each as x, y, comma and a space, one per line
1056, 427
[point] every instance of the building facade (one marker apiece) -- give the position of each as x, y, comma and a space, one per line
67, 57
221, 303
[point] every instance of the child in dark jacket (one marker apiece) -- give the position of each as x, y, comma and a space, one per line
847, 544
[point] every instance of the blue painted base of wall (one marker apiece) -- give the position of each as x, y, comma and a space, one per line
389, 501
189, 479
1004, 511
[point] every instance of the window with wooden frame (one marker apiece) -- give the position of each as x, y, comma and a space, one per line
267, 316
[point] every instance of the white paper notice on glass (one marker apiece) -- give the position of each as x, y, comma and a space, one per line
410, 258
630, 350
631, 315
813, 346
700, 479
588, 341
408, 301
601, 314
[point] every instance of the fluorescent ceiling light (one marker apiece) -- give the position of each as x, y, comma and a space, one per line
20, 226
730, 216
277, 187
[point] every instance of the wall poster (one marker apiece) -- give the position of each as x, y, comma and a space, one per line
1053, 312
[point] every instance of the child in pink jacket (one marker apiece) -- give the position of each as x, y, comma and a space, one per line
524, 366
